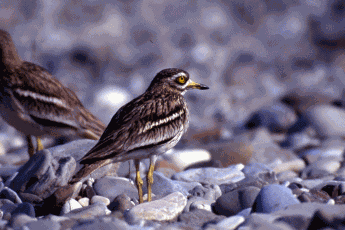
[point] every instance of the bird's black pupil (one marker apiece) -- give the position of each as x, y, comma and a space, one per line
181, 80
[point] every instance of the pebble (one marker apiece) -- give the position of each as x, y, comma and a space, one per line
199, 218
245, 212
44, 224
332, 148
164, 186
207, 191
201, 204
272, 198
255, 169
7, 193
7, 206
301, 140
111, 187
266, 151
30, 198
216, 176
43, 167
164, 209
71, 204
327, 119
121, 203
84, 202
184, 158
260, 221
330, 202
90, 211
100, 199
24, 208
286, 175
20, 220
292, 165
320, 169
104, 225
230, 222
233, 202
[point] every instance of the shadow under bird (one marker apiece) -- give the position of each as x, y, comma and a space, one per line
149, 125
36, 103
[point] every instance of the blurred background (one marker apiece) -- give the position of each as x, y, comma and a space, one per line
268, 63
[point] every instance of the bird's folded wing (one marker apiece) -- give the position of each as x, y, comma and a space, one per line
46, 100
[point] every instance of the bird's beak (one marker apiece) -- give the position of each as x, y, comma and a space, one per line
194, 85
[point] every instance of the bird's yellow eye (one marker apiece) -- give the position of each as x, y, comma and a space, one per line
181, 79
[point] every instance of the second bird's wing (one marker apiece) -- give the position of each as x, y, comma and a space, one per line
50, 103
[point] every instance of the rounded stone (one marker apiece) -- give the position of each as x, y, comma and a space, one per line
84, 201
327, 119
212, 175
24, 208
111, 187
272, 198
165, 209
100, 199
233, 202
121, 203
231, 222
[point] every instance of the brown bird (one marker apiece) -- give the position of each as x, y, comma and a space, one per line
36, 103
149, 125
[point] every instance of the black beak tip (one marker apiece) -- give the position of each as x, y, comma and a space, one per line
203, 87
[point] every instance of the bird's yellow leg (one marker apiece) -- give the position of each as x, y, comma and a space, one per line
39, 144
149, 177
139, 181
31, 148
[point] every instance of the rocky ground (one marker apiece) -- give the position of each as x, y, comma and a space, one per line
284, 194
265, 147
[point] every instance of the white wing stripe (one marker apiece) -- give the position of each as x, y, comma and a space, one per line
149, 125
36, 96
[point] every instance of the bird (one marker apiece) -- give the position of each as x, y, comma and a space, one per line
37, 104
146, 127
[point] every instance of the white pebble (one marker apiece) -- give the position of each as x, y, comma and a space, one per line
84, 201
74, 204
100, 199
331, 202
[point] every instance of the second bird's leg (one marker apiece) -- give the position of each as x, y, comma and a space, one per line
39, 144
149, 177
139, 181
31, 147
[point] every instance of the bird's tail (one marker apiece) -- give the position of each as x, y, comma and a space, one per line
87, 169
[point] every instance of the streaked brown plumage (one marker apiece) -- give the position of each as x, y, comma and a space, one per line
36, 103
149, 125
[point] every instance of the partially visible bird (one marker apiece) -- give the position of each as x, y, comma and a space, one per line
149, 125
36, 103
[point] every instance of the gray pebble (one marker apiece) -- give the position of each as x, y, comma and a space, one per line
88, 212
198, 218
20, 220
24, 208
7, 193
164, 209
231, 203
100, 199
272, 198
212, 175
121, 203
111, 187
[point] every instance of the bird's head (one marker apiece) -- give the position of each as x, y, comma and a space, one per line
175, 79
8, 52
